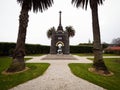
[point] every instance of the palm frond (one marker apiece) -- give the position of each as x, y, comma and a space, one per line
84, 3
100, 2
50, 31
20, 1
76, 2
70, 30
41, 5
37, 5
80, 3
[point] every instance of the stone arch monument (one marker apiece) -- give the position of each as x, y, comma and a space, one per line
59, 40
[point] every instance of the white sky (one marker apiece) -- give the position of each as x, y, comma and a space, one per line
109, 19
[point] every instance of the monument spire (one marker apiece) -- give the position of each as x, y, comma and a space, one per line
60, 28
60, 18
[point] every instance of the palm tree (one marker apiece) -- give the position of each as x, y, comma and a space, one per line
70, 30
98, 63
50, 31
18, 63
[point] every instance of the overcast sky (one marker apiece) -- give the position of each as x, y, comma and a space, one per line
109, 19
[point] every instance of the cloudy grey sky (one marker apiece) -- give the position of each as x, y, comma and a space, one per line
109, 19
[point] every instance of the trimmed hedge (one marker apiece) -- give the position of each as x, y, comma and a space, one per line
81, 49
36, 49
6, 49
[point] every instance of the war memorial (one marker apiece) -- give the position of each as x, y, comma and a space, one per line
60, 40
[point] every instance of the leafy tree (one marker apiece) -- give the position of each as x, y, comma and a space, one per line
18, 63
116, 41
98, 63
70, 30
50, 31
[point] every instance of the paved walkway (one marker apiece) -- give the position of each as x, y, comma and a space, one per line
58, 76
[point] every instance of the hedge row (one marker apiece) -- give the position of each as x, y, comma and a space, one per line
81, 49
7, 49
37, 49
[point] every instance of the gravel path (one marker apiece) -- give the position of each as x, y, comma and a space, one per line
58, 77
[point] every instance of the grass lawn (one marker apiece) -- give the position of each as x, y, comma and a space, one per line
91, 54
107, 82
9, 81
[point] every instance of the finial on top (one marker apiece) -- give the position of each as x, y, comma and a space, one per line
60, 11
60, 18
60, 25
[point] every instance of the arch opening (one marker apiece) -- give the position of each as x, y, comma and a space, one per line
59, 46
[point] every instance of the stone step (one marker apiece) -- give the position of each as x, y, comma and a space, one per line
59, 57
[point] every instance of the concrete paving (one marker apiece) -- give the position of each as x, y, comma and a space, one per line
58, 76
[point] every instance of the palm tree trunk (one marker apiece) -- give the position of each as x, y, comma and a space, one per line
18, 62
98, 63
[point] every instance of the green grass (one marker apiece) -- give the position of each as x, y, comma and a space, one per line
9, 81
85, 54
91, 54
108, 82
26, 59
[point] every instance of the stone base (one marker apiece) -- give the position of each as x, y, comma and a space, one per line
59, 57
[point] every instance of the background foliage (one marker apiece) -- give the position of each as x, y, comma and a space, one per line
6, 49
